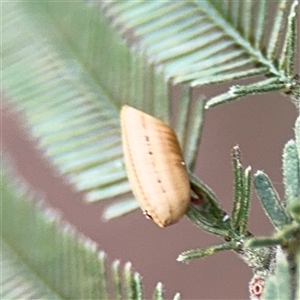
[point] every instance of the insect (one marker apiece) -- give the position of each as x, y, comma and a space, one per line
155, 167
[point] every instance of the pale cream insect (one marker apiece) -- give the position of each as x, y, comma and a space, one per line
155, 167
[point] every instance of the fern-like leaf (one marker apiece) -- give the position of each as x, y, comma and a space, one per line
73, 75
44, 257
74, 120
211, 41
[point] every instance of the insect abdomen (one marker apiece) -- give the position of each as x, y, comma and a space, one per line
155, 166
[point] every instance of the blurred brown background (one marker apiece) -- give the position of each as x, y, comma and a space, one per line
261, 125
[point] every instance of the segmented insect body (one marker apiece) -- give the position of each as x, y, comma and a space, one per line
155, 166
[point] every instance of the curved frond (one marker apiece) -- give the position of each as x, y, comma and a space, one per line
211, 41
74, 120
69, 74
44, 257
70, 89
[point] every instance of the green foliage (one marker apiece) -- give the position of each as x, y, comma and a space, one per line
283, 281
208, 202
279, 285
242, 190
291, 173
18, 281
68, 73
270, 200
233, 49
275, 266
190, 123
198, 217
204, 252
282, 213
206, 213
71, 95
118, 209
43, 257
291, 178
74, 120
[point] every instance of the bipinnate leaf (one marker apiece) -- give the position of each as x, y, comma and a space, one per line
74, 75
212, 41
44, 257
74, 120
